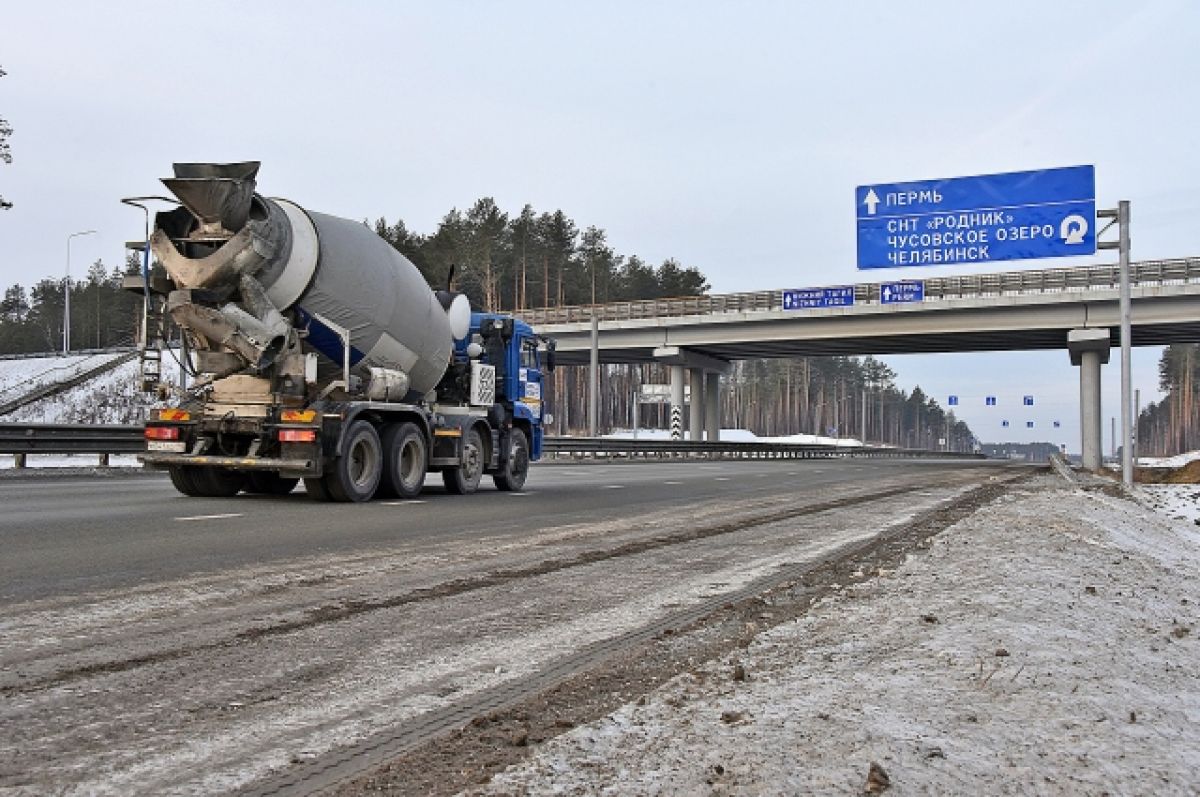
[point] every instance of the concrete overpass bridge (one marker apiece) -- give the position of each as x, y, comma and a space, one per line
1060, 308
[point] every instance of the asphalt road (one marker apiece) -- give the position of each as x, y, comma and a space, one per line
65, 535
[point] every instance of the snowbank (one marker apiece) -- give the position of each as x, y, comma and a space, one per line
1045, 645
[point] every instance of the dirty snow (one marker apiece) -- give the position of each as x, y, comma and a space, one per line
1045, 645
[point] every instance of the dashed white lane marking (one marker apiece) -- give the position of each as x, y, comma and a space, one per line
614, 487
721, 479
518, 495
672, 482
404, 503
211, 517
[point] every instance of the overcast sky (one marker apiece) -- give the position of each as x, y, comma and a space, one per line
728, 135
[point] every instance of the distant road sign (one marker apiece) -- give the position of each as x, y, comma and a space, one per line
901, 292
990, 401
1013, 216
1028, 401
840, 296
1004, 424
661, 394
953, 402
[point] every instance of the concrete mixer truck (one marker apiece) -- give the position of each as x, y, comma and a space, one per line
318, 352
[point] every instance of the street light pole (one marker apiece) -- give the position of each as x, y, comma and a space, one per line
67, 292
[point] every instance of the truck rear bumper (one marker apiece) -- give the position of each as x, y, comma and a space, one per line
287, 467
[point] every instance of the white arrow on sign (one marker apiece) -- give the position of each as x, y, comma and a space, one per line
887, 294
872, 201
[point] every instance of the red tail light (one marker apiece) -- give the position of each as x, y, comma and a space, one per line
297, 435
162, 432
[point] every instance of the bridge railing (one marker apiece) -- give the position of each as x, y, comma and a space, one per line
1052, 280
22, 440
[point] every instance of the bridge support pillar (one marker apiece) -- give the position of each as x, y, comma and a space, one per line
696, 416
712, 407
676, 402
1089, 349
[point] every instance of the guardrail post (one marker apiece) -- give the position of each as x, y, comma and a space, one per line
19, 460
104, 460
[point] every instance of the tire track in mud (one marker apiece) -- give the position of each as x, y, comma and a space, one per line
462, 745
352, 608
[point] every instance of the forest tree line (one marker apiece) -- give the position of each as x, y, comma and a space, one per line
1172, 425
529, 260
846, 397
507, 262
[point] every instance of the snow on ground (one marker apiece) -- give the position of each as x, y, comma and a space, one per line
1177, 461
1047, 644
1177, 501
21, 375
113, 396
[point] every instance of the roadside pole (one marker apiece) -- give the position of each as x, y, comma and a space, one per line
594, 376
1120, 217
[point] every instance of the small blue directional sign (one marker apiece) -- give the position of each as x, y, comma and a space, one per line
1028, 424
1057, 424
1004, 424
1028, 400
990, 401
901, 292
953, 401
840, 296
1013, 216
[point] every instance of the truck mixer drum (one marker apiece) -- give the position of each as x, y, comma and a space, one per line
329, 273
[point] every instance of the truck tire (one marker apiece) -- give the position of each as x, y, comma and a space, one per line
217, 482
181, 477
267, 483
465, 478
405, 459
354, 476
512, 478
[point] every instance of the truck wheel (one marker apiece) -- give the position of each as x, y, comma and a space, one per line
513, 476
355, 475
181, 477
266, 483
404, 460
217, 482
465, 478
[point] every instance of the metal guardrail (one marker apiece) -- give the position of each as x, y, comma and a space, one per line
1051, 280
22, 440
103, 439
627, 448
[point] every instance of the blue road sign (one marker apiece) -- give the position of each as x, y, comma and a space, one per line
841, 296
990, 401
1004, 424
901, 292
1057, 424
1028, 424
953, 401
1013, 216
1028, 401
